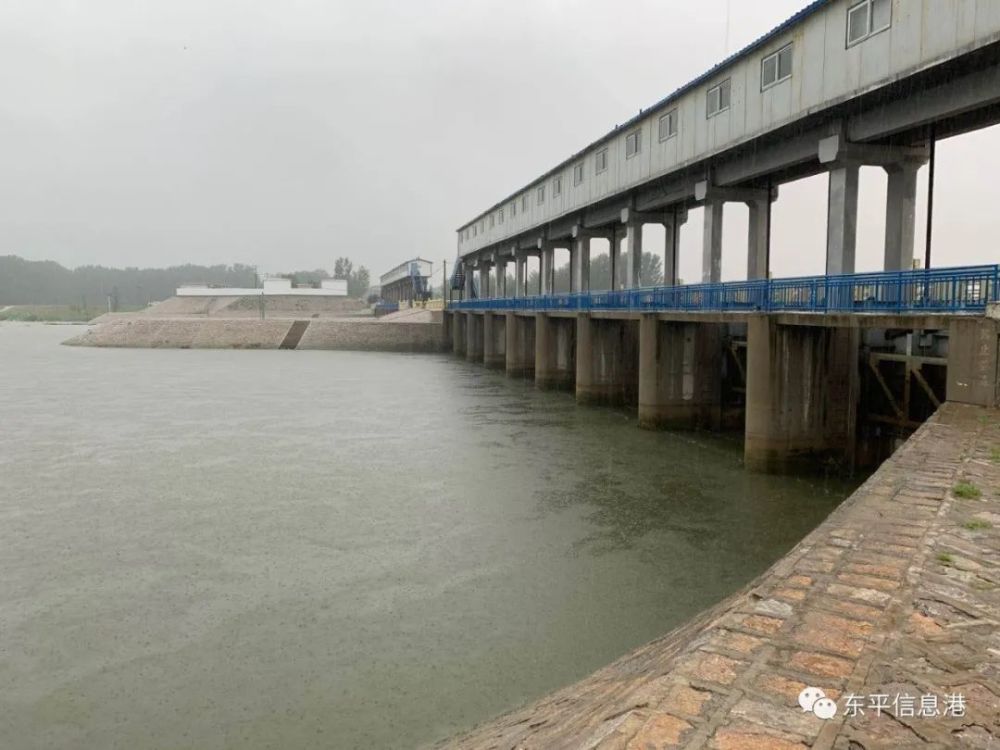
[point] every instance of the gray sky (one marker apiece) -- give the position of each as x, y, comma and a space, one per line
285, 134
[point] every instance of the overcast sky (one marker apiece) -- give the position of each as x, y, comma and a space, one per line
287, 133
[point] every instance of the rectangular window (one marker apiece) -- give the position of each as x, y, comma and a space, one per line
491, 221
524, 203
866, 18
718, 98
513, 209
475, 230
776, 67
500, 217
668, 125
632, 144
601, 161
578, 173
541, 195
556, 186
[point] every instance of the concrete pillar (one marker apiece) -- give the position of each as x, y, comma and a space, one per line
974, 361
842, 219
633, 245
458, 333
672, 226
606, 361
900, 215
584, 358
494, 340
548, 257
711, 253
468, 282
758, 239
484, 281
474, 337
580, 273
802, 396
520, 345
519, 268
680, 374
555, 360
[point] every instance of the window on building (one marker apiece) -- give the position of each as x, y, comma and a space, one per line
668, 125
500, 216
513, 209
718, 98
866, 18
482, 227
524, 203
556, 186
601, 161
475, 230
632, 144
776, 67
541, 195
578, 173
492, 219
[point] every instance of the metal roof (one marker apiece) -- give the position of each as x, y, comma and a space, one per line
760, 41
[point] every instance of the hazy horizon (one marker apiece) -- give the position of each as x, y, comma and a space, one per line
287, 135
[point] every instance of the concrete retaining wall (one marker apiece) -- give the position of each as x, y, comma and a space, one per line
361, 335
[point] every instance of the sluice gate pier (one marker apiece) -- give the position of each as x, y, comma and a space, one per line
816, 370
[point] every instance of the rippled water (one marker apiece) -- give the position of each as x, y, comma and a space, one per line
284, 549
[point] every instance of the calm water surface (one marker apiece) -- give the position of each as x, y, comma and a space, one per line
248, 549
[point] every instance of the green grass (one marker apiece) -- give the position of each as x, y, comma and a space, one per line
995, 454
977, 524
966, 491
55, 313
945, 559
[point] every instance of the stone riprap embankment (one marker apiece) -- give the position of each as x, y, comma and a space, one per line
359, 334
891, 607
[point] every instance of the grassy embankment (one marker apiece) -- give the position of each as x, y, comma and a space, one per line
51, 313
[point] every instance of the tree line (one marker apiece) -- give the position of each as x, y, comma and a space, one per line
30, 282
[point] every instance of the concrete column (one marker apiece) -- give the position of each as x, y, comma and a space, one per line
633, 245
494, 340
555, 361
519, 268
548, 256
584, 358
974, 361
802, 396
606, 361
900, 215
842, 219
458, 333
672, 226
484, 281
680, 374
581, 265
543, 346
758, 239
468, 282
711, 253
519, 331
614, 259
474, 337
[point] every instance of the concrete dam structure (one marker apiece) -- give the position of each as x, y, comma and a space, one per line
835, 368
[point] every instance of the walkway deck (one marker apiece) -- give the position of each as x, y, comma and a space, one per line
897, 593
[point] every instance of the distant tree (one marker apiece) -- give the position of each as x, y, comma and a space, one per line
342, 268
358, 282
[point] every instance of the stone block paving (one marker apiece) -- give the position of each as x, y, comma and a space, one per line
891, 607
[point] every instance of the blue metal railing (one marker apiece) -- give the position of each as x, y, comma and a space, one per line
951, 290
